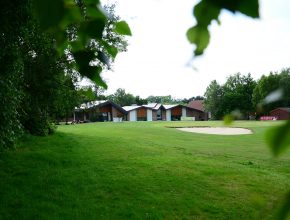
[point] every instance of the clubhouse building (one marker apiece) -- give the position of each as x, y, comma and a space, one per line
110, 111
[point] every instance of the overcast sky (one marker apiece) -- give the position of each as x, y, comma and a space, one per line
159, 58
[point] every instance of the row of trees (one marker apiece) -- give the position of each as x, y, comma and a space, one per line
122, 98
243, 96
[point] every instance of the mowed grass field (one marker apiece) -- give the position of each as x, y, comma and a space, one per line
143, 170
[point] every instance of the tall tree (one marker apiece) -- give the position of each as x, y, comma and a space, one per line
265, 85
271, 83
66, 99
140, 101
122, 98
12, 20
42, 42
284, 84
235, 94
238, 92
213, 99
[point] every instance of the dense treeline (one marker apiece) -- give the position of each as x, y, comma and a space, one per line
122, 98
37, 83
244, 97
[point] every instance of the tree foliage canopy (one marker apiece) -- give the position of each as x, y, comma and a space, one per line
46, 45
274, 82
234, 95
95, 34
122, 98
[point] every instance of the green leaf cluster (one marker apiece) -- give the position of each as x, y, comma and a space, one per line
89, 23
46, 45
207, 11
278, 138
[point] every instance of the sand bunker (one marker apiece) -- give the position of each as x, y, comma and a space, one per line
217, 130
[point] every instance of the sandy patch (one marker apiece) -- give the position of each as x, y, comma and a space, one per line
217, 130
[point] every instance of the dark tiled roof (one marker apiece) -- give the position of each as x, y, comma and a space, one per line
283, 108
197, 104
99, 104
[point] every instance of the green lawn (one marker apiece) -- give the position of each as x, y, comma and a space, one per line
143, 170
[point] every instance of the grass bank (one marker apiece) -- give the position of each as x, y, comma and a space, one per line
143, 170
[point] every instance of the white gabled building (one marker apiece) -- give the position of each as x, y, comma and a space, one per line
131, 112
138, 113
